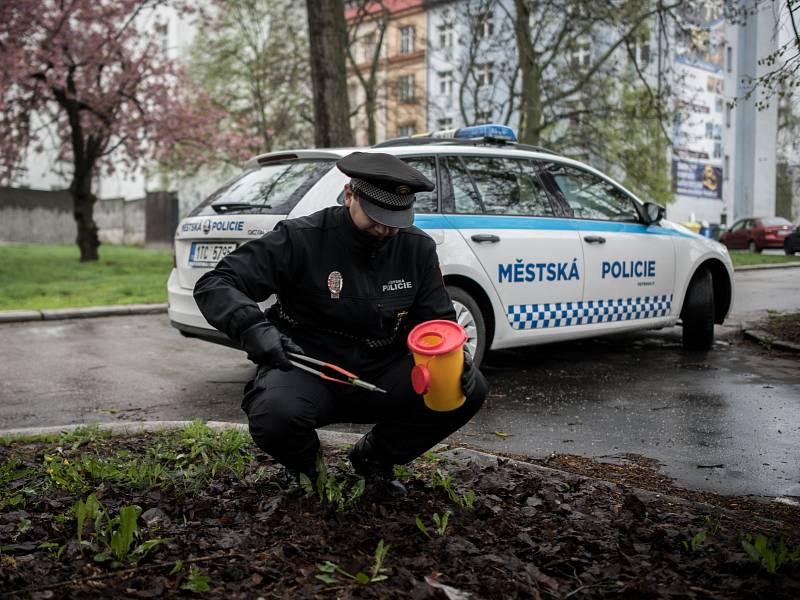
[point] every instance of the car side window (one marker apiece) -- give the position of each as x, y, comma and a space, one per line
427, 202
737, 226
509, 186
465, 198
592, 197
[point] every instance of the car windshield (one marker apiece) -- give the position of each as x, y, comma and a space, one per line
274, 188
774, 222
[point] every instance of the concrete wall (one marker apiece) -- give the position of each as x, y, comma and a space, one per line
45, 217
38, 216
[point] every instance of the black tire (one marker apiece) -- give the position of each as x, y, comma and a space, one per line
470, 317
753, 247
697, 313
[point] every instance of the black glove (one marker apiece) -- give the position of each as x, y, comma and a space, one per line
267, 346
469, 376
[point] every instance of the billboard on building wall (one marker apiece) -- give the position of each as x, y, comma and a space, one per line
693, 178
699, 102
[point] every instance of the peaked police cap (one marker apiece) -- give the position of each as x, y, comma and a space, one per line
385, 186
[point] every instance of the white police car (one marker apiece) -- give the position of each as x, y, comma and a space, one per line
534, 247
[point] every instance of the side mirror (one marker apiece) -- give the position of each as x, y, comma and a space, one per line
653, 213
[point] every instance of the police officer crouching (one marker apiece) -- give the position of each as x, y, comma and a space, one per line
351, 281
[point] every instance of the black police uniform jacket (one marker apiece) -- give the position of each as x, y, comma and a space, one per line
358, 319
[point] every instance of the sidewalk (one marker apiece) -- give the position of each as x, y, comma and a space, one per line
52, 314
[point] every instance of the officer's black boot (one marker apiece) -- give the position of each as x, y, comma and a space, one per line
379, 477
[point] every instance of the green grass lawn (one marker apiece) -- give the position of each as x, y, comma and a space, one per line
742, 258
34, 276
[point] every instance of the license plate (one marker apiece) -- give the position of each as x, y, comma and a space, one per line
208, 255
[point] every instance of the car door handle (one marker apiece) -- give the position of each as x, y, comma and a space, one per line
485, 237
594, 239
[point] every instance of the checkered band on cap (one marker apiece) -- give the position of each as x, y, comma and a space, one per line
381, 197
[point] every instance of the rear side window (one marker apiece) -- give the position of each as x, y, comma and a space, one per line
508, 186
465, 197
274, 188
426, 202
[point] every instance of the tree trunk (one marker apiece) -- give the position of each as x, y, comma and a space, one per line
530, 104
83, 209
370, 107
327, 33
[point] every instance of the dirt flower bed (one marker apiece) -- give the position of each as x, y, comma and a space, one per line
198, 512
784, 327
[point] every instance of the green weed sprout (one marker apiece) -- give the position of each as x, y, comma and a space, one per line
334, 493
439, 524
115, 537
328, 571
444, 481
761, 551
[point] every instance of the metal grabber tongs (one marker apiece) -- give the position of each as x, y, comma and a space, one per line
351, 378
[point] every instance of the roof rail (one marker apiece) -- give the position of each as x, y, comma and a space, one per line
541, 149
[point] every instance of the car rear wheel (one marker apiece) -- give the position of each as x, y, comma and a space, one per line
698, 312
752, 247
469, 316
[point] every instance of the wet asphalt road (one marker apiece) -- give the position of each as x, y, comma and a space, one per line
725, 421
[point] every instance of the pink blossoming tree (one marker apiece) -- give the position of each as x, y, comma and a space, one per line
94, 76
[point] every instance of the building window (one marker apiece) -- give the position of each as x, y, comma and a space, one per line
729, 58
483, 116
406, 130
580, 56
726, 167
407, 39
369, 47
406, 86
446, 123
446, 83
484, 25
484, 74
727, 115
446, 35
717, 149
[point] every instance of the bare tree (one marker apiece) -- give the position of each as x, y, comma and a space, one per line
479, 66
251, 57
327, 32
549, 32
367, 29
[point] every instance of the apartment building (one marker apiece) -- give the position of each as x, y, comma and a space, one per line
387, 61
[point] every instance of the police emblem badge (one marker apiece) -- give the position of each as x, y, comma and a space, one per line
335, 283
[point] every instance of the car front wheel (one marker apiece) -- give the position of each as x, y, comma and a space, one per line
469, 316
698, 312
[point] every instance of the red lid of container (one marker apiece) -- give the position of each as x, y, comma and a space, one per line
434, 338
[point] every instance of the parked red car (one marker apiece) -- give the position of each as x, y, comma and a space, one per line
757, 233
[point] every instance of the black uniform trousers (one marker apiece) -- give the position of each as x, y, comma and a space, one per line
285, 407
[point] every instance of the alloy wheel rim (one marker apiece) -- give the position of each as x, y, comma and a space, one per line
467, 321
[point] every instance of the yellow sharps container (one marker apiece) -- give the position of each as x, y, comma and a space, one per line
438, 349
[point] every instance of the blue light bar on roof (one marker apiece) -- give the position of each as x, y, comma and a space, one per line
490, 130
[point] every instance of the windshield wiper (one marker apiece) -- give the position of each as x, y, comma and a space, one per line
226, 207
